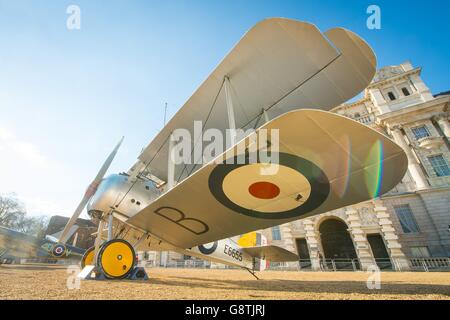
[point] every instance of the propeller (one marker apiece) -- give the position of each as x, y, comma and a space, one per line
89, 193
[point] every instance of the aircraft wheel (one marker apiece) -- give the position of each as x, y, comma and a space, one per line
116, 259
88, 257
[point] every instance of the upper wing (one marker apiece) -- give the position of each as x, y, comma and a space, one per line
326, 162
271, 253
279, 65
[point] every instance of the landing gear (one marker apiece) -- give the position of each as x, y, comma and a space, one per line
88, 257
116, 259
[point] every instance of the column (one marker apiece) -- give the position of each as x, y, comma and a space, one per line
398, 258
359, 238
413, 166
442, 121
312, 240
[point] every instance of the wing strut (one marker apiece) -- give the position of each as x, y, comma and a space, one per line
230, 110
170, 165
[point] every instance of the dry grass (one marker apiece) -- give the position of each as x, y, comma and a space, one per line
49, 282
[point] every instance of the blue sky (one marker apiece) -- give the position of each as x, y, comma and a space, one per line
66, 97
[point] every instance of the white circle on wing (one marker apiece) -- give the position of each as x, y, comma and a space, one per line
290, 182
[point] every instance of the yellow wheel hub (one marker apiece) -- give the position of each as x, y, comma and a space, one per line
88, 257
116, 258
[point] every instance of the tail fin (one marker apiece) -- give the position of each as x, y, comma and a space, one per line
254, 239
57, 235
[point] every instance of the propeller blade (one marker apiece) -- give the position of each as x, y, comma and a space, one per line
89, 193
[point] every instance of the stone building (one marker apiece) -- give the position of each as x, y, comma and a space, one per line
413, 219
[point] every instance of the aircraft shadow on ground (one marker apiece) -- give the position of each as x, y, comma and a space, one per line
33, 268
279, 285
338, 287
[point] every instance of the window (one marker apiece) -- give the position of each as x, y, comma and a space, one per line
391, 95
439, 165
420, 132
420, 252
406, 219
405, 92
276, 234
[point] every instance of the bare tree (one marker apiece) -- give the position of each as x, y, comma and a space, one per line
13, 215
35, 226
11, 212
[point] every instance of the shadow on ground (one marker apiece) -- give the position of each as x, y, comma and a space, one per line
338, 287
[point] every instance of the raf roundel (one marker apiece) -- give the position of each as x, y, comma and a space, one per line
208, 248
58, 250
290, 188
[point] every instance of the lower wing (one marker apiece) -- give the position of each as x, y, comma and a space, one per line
326, 161
18, 244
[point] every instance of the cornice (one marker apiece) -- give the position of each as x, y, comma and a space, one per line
395, 78
418, 108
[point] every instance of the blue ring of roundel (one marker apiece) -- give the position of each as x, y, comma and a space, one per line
58, 253
205, 250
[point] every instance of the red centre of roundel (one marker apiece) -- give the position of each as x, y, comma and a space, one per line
264, 190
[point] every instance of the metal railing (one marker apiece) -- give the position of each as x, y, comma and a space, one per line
324, 265
388, 264
430, 264
425, 264
187, 264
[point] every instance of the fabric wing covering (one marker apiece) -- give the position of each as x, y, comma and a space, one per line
279, 65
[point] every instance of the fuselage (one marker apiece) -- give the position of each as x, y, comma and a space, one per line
119, 194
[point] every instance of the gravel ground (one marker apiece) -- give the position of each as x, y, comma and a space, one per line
50, 282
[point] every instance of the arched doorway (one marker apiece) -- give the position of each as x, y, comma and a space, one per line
337, 243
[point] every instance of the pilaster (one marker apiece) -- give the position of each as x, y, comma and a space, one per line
397, 256
312, 240
359, 238
443, 123
288, 240
413, 166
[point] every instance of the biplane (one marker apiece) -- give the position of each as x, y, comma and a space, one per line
282, 77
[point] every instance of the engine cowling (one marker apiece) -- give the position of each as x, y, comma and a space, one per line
124, 196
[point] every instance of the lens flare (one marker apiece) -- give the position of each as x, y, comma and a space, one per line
345, 166
373, 173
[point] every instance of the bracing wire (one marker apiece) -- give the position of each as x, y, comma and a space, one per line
203, 128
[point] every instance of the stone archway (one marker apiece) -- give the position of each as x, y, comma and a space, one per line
336, 240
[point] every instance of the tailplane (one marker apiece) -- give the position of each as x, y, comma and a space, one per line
255, 244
